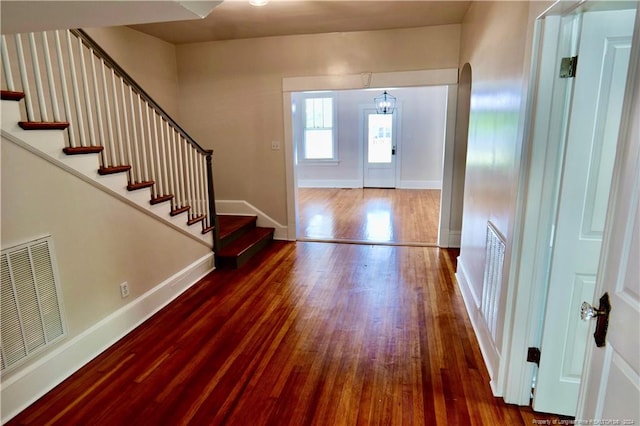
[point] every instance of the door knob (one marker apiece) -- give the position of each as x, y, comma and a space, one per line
601, 314
588, 312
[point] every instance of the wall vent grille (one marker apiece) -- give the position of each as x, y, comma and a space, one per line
31, 314
492, 286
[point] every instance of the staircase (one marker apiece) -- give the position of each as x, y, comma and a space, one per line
109, 132
240, 240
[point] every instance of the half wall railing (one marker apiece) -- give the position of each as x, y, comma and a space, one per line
67, 78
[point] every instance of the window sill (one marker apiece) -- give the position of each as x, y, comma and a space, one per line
319, 162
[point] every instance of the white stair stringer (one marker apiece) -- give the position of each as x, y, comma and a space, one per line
48, 144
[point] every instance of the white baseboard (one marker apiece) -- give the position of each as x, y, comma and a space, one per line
329, 183
241, 207
420, 184
490, 353
24, 387
448, 238
355, 183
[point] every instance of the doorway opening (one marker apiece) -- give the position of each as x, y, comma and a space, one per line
381, 182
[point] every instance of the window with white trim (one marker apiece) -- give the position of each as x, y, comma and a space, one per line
318, 139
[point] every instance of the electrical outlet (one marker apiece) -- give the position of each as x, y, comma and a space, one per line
275, 146
124, 289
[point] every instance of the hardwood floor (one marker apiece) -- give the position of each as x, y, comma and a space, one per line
309, 333
397, 216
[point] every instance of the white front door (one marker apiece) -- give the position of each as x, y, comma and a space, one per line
590, 149
379, 150
611, 387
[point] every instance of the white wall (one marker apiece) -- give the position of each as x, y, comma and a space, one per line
494, 44
420, 138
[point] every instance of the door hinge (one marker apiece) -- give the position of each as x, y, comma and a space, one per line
568, 67
533, 355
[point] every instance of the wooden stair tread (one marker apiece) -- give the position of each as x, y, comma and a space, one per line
161, 199
8, 95
229, 224
179, 210
246, 242
79, 150
195, 220
113, 169
43, 125
140, 185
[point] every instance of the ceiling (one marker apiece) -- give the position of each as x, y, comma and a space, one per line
234, 19
32, 15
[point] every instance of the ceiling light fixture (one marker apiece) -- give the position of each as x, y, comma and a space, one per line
258, 3
385, 103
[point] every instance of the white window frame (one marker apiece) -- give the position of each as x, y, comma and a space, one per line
303, 126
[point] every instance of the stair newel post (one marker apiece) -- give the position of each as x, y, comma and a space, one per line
213, 217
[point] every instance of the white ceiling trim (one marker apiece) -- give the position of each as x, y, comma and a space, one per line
437, 77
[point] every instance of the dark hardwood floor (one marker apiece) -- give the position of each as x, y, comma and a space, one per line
308, 333
369, 215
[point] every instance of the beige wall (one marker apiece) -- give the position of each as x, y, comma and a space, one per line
231, 95
150, 61
494, 36
100, 241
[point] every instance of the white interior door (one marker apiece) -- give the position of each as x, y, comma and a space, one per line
379, 150
612, 373
590, 148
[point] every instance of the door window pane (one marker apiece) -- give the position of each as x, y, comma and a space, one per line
380, 143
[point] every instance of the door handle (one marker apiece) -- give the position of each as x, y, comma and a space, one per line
393, 150
601, 315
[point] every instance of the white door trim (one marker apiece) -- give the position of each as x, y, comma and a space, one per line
533, 230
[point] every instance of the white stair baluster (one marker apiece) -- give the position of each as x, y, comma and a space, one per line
116, 112
141, 148
162, 157
87, 97
50, 79
176, 176
181, 171
65, 90
156, 157
192, 178
24, 78
35, 63
151, 154
200, 183
96, 95
127, 134
6, 65
166, 153
205, 190
113, 161
134, 141
187, 179
76, 94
